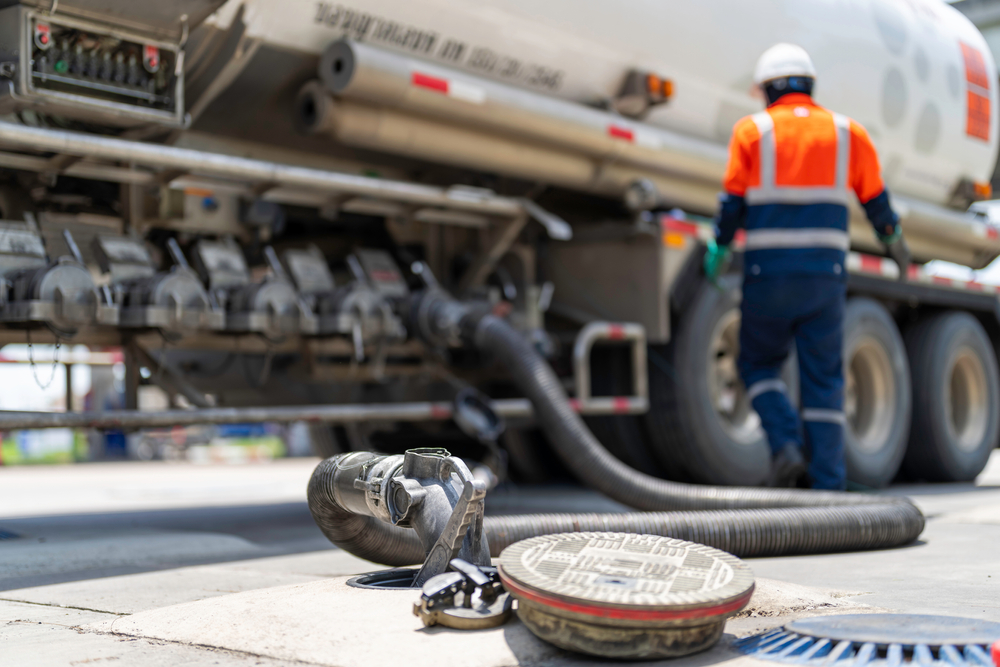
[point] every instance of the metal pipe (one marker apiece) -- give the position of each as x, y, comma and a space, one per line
258, 171
362, 72
395, 131
686, 170
635, 334
69, 387
329, 414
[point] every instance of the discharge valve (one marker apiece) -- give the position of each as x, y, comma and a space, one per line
60, 294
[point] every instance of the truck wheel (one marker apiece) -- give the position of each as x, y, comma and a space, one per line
956, 390
877, 395
698, 414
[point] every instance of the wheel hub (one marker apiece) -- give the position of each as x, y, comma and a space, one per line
967, 403
870, 394
726, 389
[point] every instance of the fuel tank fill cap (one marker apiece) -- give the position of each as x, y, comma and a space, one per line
624, 596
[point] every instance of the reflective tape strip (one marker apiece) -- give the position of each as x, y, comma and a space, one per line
792, 195
618, 132
843, 124
764, 386
459, 90
769, 192
824, 415
807, 237
768, 151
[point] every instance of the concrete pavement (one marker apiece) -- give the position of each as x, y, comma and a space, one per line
177, 564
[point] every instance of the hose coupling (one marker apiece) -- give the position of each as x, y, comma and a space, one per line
427, 490
445, 322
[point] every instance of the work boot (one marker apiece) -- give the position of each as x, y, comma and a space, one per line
787, 467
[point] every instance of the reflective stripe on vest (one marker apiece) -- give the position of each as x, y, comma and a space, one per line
808, 237
769, 192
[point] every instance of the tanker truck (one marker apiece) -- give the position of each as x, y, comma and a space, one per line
286, 210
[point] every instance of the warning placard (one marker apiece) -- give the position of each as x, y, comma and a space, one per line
977, 120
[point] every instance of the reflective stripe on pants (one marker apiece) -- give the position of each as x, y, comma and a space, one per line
806, 312
764, 386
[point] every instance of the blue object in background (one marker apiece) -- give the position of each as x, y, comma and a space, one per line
114, 445
243, 430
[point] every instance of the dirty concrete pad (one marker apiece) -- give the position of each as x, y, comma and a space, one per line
330, 623
44, 636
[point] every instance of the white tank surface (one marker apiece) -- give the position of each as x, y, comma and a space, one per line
916, 73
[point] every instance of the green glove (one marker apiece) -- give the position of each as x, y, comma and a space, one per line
889, 239
715, 259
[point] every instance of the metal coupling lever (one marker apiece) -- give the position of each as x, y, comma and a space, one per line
468, 597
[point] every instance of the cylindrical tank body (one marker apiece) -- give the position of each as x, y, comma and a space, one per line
916, 73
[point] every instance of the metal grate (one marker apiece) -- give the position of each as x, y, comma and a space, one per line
792, 648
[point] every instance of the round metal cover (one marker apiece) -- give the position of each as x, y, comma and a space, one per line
623, 595
637, 576
884, 629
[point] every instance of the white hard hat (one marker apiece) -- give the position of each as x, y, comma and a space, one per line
783, 60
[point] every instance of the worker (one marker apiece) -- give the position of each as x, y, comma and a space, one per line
791, 169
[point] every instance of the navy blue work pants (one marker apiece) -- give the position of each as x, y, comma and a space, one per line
809, 312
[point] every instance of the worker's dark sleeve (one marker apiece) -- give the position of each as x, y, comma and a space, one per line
881, 215
866, 180
732, 215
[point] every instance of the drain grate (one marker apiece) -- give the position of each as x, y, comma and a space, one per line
877, 640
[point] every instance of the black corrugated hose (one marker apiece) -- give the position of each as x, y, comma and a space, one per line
364, 536
746, 522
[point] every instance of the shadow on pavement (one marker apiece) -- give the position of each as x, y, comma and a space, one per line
60, 548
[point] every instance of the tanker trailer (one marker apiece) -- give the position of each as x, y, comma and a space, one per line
555, 161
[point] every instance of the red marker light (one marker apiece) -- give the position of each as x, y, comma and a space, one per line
151, 58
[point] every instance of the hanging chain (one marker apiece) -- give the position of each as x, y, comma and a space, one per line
161, 358
34, 366
265, 369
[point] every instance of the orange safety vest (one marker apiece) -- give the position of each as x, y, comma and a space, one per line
796, 164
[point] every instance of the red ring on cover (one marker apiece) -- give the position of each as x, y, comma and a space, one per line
626, 614
995, 651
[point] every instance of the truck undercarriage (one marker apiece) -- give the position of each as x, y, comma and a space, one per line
267, 261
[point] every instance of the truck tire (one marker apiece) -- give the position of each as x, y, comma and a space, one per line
956, 399
698, 415
877, 396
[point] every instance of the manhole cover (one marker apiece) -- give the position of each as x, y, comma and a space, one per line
877, 640
623, 595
